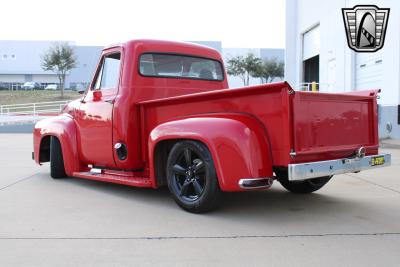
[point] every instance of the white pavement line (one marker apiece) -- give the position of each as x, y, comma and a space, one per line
204, 237
378, 185
17, 182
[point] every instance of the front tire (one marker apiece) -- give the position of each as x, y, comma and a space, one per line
301, 187
57, 169
192, 179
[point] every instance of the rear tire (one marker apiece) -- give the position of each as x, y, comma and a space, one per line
191, 176
301, 187
57, 169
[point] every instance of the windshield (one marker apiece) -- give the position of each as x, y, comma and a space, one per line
180, 66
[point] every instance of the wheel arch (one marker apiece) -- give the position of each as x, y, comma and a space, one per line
161, 152
242, 153
64, 129
44, 149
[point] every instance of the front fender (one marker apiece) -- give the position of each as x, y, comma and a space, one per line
238, 144
64, 128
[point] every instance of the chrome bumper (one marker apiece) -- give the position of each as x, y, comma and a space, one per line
303, 171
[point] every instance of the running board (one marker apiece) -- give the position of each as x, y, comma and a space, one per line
125, 179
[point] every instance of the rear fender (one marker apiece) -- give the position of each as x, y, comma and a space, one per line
63, 127
238, 145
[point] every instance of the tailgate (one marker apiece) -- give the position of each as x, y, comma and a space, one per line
328, 126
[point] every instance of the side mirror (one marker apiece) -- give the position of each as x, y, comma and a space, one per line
81, 91
97, 95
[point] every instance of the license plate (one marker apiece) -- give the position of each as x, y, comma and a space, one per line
378, 161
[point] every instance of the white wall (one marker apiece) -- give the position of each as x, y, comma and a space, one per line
12, 78
291, 48
305, 14
45, 78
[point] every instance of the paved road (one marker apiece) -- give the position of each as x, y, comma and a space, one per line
18, 123
18, 119
353, 221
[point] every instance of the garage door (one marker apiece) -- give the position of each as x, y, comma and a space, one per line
311, 43
369, 71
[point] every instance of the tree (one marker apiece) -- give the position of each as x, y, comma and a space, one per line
269, 69
60, 58
243, 67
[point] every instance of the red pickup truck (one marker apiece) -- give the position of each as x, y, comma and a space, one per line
160, 113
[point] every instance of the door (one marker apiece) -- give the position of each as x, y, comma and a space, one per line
96, 113
369, 71
311, 49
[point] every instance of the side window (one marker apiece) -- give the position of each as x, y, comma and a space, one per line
108, 75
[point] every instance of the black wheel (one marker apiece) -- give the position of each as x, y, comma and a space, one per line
191, 176
301, 187
57, 169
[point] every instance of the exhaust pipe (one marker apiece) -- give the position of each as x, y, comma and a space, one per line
256, 183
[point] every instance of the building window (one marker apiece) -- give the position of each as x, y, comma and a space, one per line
4, 57
13, 57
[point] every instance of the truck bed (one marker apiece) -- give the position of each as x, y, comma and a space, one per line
301, 126
335, 124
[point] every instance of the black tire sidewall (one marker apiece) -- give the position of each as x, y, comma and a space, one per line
57, 169
209, 198
301, 187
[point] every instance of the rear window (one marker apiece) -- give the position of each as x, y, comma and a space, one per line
180, 66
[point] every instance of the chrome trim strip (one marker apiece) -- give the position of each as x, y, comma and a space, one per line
303, 171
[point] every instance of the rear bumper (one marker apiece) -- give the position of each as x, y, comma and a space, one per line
303, 171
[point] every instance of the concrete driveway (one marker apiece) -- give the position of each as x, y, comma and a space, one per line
353, 221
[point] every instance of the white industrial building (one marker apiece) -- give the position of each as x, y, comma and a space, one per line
20, 62
317, 51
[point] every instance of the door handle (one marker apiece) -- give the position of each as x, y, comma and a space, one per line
111, 101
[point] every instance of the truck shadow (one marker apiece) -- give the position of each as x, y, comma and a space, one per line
278, 200
273, 204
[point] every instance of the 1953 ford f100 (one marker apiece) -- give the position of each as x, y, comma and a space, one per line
159, 113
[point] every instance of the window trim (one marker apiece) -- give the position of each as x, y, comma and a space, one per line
98, 74
99, 71
180, 77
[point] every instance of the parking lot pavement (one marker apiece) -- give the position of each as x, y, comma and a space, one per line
18, 119
353, 221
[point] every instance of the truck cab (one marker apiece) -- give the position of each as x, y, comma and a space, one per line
125, 76
161, 113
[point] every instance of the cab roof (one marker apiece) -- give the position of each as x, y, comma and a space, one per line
173, 47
